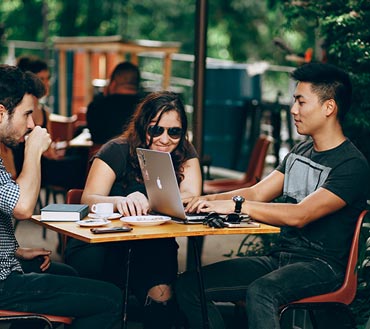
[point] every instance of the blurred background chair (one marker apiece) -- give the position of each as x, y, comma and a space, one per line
62, 128
252, 175
61, 131
59, 175
73, 196
80, 122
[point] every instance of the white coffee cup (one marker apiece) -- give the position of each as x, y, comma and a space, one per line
102, 209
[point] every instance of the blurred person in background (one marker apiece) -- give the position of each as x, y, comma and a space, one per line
67, 170
108, 114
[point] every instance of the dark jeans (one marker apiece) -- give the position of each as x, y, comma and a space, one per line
152, 262
266, 283
93, 304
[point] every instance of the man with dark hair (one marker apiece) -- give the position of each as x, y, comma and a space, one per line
321, 188
38, 66
108, 114
93, 304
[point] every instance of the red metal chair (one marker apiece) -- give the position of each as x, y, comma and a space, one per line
341, 298
62, 127
61, 130
47, 319
74, 196
252, 175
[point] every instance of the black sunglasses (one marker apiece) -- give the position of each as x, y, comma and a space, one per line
173, 132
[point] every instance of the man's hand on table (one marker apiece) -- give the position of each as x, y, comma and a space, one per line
203, 204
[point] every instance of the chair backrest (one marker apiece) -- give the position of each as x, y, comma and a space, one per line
257, 159
74, 196
347, 292
81, 117
62, 128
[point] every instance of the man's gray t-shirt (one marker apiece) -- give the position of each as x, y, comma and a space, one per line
345, 172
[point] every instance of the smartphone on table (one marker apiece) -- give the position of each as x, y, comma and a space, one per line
101, 230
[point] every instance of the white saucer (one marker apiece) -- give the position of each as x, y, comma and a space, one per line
93, 222
112, 216
149, 220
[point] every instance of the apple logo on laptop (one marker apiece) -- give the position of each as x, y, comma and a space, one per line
159, 184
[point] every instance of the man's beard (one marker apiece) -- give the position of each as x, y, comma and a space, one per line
10, 142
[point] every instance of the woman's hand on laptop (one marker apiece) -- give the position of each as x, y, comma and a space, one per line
135, 204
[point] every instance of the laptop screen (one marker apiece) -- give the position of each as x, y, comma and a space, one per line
161, 183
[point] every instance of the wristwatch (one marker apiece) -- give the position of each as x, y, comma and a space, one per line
238, 203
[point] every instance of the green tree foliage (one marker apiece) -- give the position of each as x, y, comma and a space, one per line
15, 14
344, 27
238, 30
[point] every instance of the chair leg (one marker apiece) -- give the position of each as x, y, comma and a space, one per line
313, 320
324, 315
39, 205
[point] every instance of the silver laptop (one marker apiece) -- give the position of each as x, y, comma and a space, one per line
161, 186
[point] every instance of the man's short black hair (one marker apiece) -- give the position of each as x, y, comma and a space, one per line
328, 82
126, 73
32, 63
14, 84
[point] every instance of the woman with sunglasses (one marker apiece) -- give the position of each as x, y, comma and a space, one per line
159, 123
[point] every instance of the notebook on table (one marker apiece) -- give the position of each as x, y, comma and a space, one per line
161, 186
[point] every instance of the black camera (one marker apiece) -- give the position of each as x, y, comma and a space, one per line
233, 218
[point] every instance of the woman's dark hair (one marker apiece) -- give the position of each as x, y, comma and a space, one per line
154, 103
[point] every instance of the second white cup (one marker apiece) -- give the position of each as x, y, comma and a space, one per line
102, 209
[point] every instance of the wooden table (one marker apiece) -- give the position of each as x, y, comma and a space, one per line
166, 230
